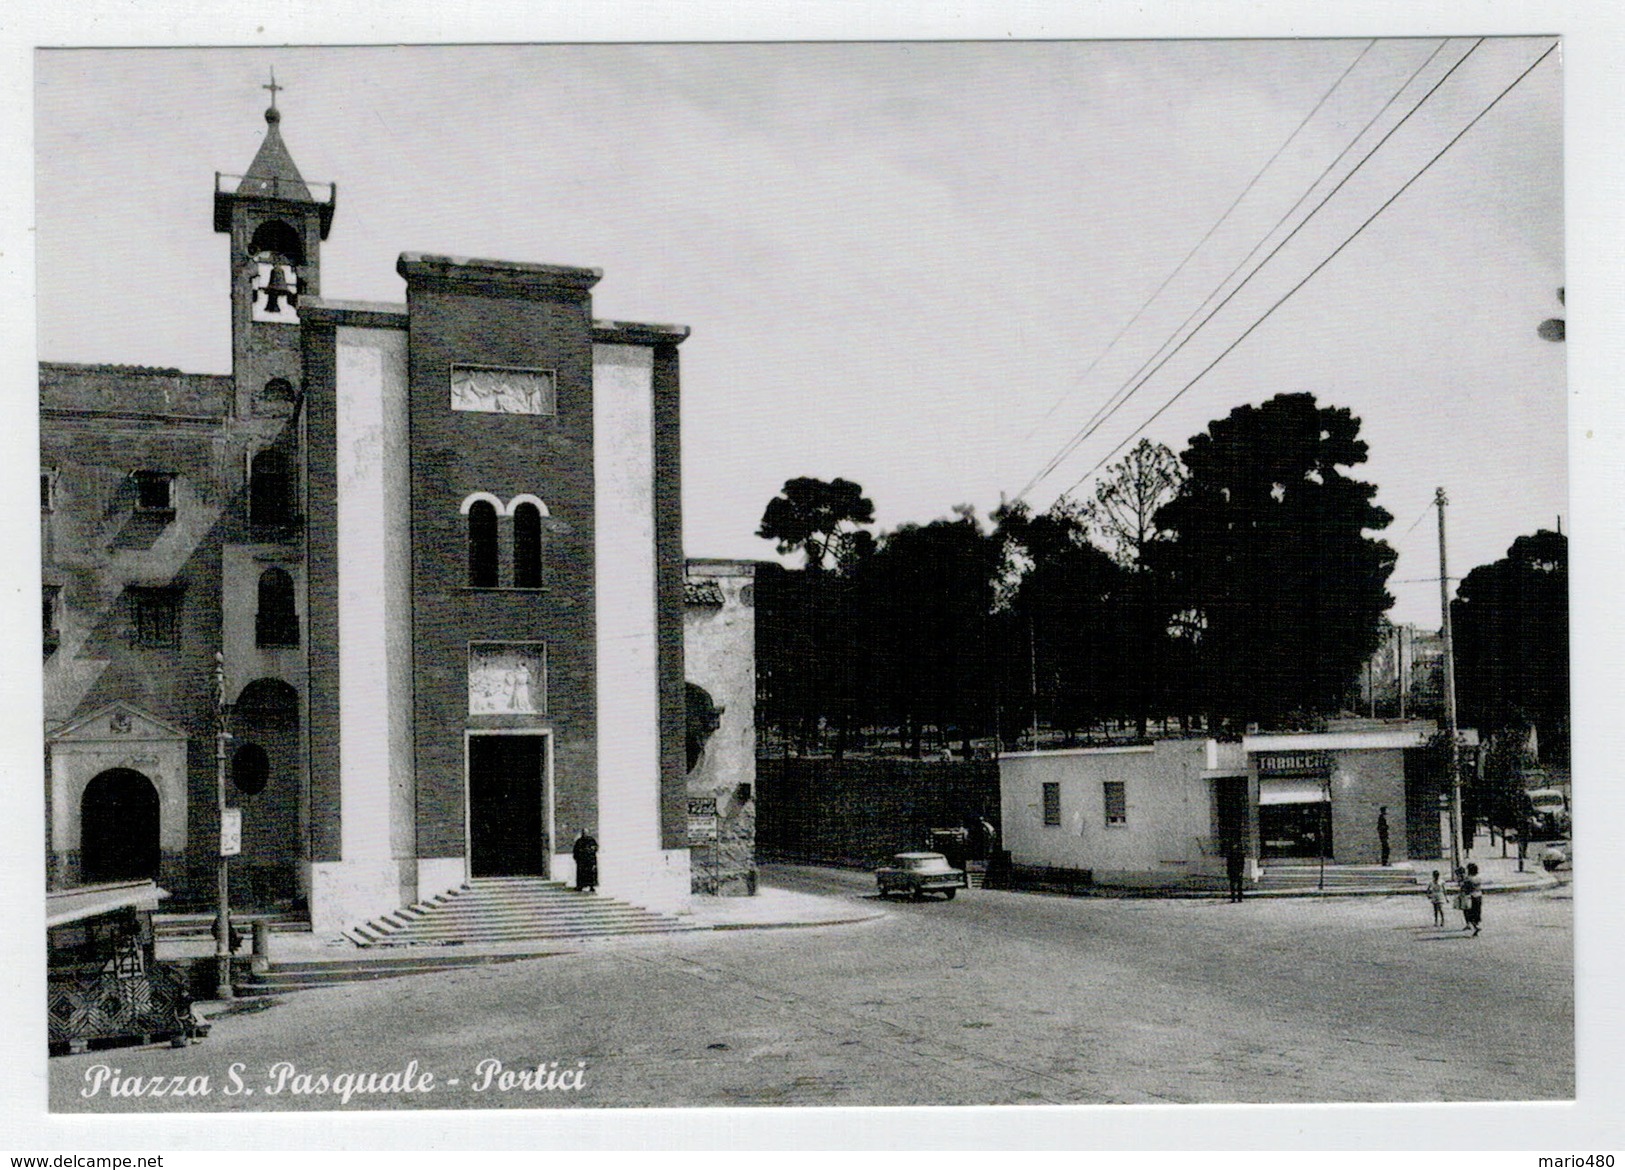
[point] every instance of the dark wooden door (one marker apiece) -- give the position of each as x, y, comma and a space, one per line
507, 829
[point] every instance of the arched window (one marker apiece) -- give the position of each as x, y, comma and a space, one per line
270, 490
482, 545
527, 547
276, 624
250, 769
279, 239
277, 390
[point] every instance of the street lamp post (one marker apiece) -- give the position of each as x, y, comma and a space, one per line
222, 924
1449, 695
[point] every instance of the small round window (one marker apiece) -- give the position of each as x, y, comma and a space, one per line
250, 769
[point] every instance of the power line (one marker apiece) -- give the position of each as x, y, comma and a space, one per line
1132, 386
1335, 252
1180, 267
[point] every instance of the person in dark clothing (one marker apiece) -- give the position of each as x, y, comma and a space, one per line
1235, 868
585, 853
1382, 832
1472, 895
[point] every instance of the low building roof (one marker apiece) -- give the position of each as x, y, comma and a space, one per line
71, 905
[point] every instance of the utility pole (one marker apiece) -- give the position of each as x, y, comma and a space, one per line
1449, 693
1032, 667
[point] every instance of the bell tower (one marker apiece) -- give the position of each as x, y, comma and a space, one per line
276, 225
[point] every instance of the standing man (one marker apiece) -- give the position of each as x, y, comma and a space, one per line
1382, 832
1235, 868
585, 853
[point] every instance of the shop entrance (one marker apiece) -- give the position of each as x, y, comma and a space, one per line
507, 796
1298, 831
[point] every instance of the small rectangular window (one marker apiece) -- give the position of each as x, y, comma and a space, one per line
47, 490
155, 616
1052, 804
1116, 802
49, 597
154, 493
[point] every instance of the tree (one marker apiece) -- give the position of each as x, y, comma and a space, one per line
820, 519
1510, 619
1063, 620
926, 598
1270, 565
1124, 512
1129, 496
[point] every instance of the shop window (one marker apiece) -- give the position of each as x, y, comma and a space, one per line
250, 769
155, 616
482, 545
1052, 804
1116, 802
276, 623
527, 547
270, 490
155, 493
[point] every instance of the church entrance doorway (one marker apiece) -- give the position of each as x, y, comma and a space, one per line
507, 805
118, 828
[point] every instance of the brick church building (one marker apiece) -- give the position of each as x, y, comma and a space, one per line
433, 550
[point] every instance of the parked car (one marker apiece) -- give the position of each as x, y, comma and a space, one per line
1549, 811
1557, 855
919, 874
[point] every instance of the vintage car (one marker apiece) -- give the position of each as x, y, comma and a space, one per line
1557, 855
919, 874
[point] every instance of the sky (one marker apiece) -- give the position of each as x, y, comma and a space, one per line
904, 264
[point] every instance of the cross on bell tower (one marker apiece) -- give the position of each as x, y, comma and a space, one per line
276, 224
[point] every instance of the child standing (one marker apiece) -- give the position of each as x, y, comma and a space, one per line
1436, 896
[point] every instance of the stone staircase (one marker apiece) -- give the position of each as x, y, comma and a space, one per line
509, 909
1300, 877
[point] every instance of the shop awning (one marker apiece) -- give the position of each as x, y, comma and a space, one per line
1290, 791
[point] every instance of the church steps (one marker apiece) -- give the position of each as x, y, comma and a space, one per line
492, 910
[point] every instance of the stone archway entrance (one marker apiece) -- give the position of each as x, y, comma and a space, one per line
118, 827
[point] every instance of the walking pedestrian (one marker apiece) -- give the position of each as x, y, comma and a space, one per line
1472, 895
1235, 868
1382, 832
585, 852
1436, 896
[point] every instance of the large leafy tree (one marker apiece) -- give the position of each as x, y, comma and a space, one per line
1272, 569
822, 520
1511, 624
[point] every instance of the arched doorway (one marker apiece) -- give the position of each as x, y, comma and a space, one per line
118, 828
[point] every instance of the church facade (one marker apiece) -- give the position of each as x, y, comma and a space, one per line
426, 557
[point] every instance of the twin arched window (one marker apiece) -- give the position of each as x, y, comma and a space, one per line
485, 541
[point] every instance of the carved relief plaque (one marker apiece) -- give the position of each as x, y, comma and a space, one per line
500, 390
507, 678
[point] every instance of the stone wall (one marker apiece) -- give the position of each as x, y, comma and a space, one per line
719, 650
859, 811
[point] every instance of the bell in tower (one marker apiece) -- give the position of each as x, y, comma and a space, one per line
276, 221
